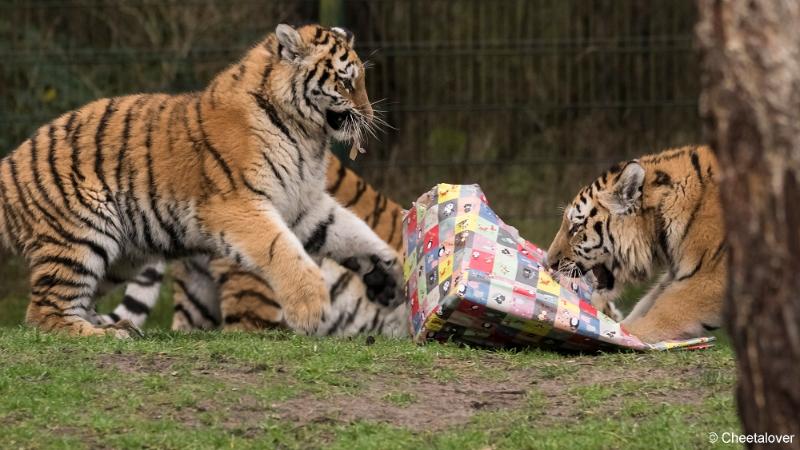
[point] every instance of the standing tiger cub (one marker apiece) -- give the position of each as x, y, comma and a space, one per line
659, 211
237, 170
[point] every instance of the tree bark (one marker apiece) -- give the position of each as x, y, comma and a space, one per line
750, 106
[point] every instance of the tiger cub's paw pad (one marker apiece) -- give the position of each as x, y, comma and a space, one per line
383, 280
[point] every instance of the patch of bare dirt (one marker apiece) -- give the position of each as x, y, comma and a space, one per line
242, 417
416, 398
434, 405
222, 370
438, 405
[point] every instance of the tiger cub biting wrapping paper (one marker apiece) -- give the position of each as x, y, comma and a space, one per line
237, 170
210, 294
658, 211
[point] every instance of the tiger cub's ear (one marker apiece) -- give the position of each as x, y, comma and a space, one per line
346, 34
625, 195
291, 45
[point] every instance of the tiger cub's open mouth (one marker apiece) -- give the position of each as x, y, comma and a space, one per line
337, 118
604, 277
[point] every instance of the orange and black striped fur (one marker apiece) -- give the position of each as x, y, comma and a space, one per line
246, 302
236, 170
213, 293
381, 213
659, 211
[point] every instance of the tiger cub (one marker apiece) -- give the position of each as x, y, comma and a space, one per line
658, 211
369, 304
209, 294
237, 170
225, 295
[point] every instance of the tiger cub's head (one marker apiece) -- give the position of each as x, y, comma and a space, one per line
603, 230
320, 77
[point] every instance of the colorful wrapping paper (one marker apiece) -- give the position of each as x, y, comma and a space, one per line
470, 277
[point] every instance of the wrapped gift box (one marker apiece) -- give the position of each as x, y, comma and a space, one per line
471, 278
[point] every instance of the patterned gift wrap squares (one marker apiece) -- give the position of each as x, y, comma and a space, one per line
471, 278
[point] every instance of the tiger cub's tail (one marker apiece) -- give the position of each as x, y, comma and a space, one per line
381, 213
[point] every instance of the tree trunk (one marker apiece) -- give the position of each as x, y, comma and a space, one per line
751, 110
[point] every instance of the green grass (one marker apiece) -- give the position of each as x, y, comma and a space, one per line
401, 398
210, 390
279, 390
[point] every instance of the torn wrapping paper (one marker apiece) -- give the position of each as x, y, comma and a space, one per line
471, 278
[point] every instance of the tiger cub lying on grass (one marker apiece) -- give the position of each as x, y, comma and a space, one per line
659, 211
219, 293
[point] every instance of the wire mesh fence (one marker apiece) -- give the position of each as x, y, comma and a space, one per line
529, 98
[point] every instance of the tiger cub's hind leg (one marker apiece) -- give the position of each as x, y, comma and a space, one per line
63, 285
679, 309
195, 296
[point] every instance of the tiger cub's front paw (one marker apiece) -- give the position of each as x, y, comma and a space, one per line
610, 309
382, 275
604, 303
304, 307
